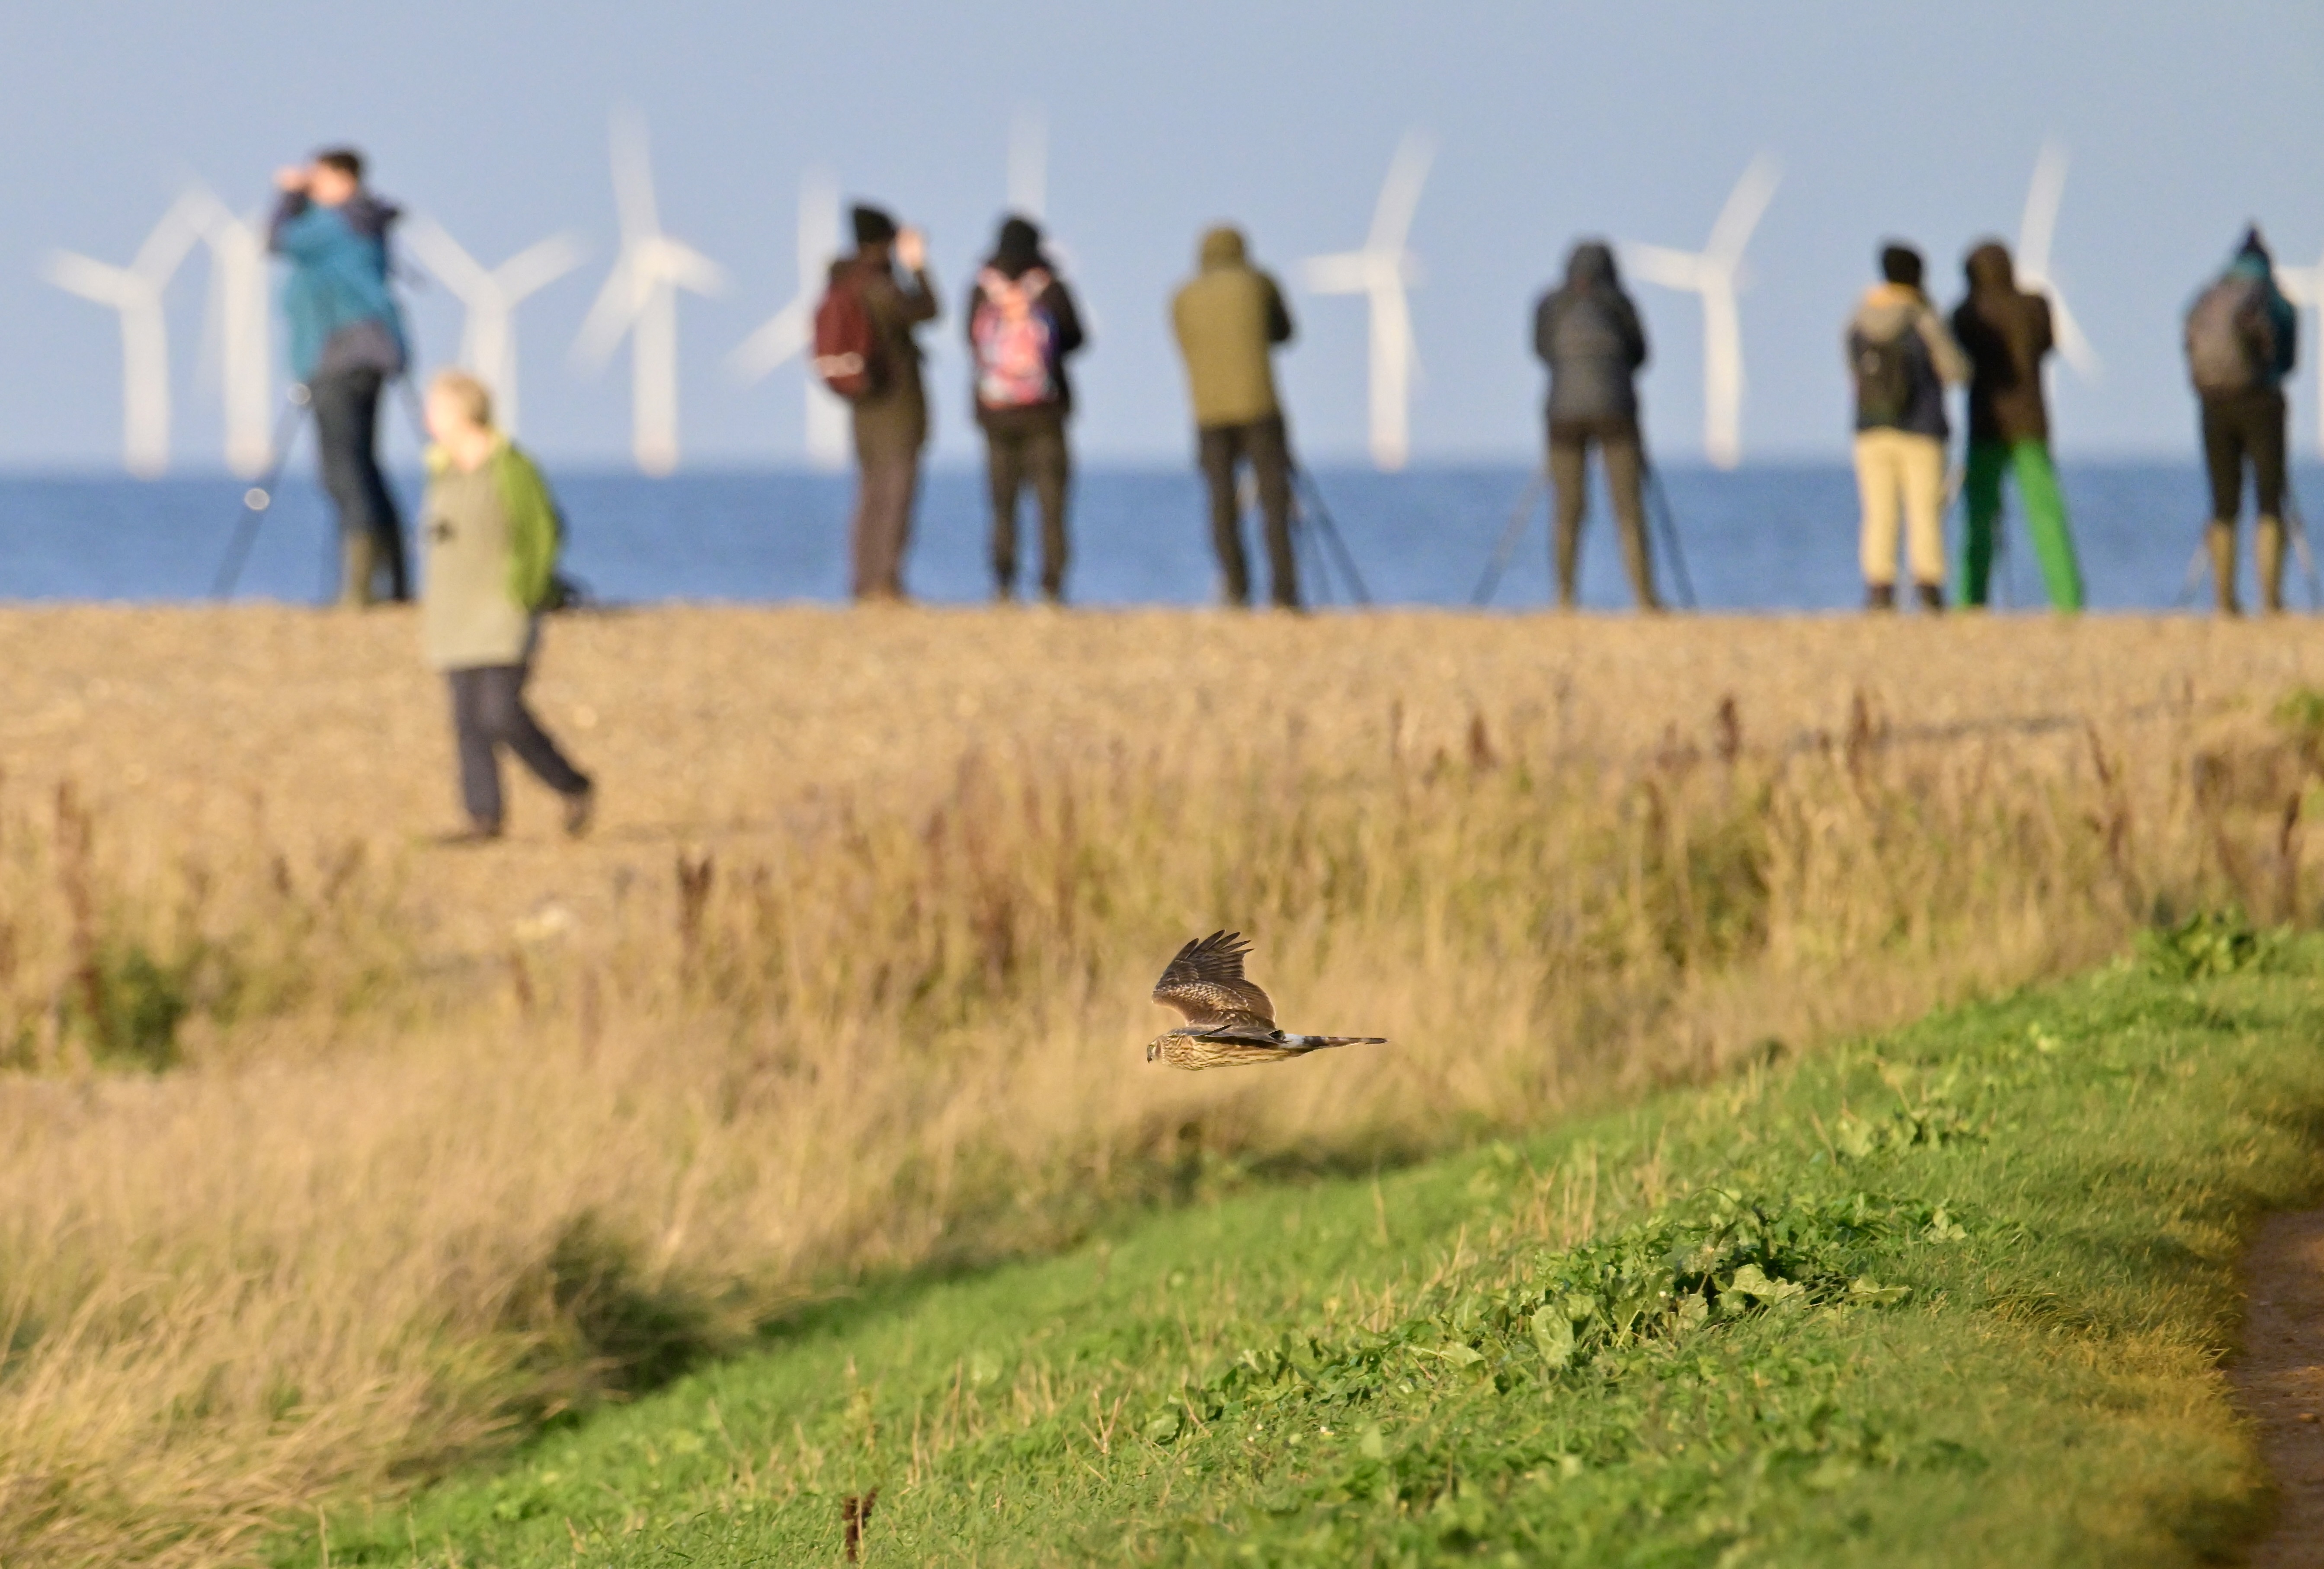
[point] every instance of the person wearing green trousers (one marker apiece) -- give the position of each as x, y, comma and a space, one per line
2045, 520
2006, 332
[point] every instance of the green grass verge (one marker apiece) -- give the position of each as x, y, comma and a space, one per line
1959, 1295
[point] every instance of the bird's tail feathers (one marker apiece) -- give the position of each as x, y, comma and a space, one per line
1317, 1042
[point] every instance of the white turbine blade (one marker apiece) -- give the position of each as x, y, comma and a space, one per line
1741, 214
1664, 267
537, 266
445, 258
93, 279
786, 333
1348, 272
1029, 162
2074, 347
2037, 227
633, 186
166, 247
1399, 193
611, 315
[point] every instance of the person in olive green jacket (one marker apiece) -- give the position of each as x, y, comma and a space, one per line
491, 534
891, 422
1227, 320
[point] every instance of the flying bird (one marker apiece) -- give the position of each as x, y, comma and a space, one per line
1229, 1021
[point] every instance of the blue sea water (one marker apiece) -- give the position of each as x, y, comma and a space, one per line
1763, 538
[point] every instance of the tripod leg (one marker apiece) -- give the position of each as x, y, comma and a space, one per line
256, 500
1668, 528
1329, 533
1511, 537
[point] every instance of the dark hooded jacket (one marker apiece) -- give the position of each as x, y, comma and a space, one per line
1015, 256
1227, 320
1587, 333
2006, 332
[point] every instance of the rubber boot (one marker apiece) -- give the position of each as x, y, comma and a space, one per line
1880, 596
2220, 539
359, 560
2270, 548
1932, 597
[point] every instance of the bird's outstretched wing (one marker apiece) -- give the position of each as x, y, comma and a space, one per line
1206, 984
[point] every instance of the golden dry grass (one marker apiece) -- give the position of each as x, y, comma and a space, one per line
852, 975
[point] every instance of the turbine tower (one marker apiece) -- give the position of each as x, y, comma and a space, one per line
1381, 271
2304, 286
490, 296
790, 331
135, 291
1029, 162
640, 300
238, 324
1716, 273
2036, 228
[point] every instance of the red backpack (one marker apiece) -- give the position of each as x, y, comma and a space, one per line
846, 348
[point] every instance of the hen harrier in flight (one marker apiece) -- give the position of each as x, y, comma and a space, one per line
1229, 1021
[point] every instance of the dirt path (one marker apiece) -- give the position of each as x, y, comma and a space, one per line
2280, 1378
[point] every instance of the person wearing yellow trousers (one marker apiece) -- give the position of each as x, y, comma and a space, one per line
1901, 359
2006, 332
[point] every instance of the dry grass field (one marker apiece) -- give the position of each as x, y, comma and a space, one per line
333, 1155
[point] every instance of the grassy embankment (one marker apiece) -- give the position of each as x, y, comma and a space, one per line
1956, 1295
332, 1160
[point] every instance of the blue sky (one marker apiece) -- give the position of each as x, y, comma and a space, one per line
1551, 122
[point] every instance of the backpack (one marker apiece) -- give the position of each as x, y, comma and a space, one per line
847, 353
1015, 341
2229, 338
1885, 378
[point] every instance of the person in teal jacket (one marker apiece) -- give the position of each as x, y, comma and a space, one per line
491, 535
346, 344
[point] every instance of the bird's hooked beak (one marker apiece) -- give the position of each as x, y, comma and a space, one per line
1153, 1050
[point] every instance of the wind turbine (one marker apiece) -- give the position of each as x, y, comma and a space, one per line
1716, 273
1381, 271
2036, 228
790, 331
491, 295
639, 299
237, 323
2304, 286
135, 291
1029, 162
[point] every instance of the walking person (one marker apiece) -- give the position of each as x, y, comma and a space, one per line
1228, 320
1022, 324
888, 403
491, 536
2242, 342
1901, 359
2006, 332
346, 344
1587, 332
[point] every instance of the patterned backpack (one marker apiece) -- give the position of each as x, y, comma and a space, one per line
1015, 341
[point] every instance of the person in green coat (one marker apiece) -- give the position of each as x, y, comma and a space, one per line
1229, 319
2006, 332
490, 532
